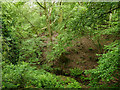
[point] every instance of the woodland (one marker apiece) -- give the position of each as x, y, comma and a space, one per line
60, 44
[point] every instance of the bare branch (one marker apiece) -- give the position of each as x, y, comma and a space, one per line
40, 4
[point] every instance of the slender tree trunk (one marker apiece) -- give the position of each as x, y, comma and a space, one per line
48, 22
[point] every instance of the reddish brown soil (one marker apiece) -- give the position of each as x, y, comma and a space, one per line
82, 55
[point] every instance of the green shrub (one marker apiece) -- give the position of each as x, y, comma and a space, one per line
15, 74
108, 65
68, 82
73, 85
75, 71
25, 76
31, 49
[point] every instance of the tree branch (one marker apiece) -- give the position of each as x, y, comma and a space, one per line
40, 4
25, 17
28, 21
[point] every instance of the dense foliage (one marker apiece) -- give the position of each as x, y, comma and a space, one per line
29, 77
108, 67
39, 33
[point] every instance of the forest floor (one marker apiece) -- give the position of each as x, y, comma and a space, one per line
81, 56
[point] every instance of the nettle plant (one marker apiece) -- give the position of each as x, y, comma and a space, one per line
108, 65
